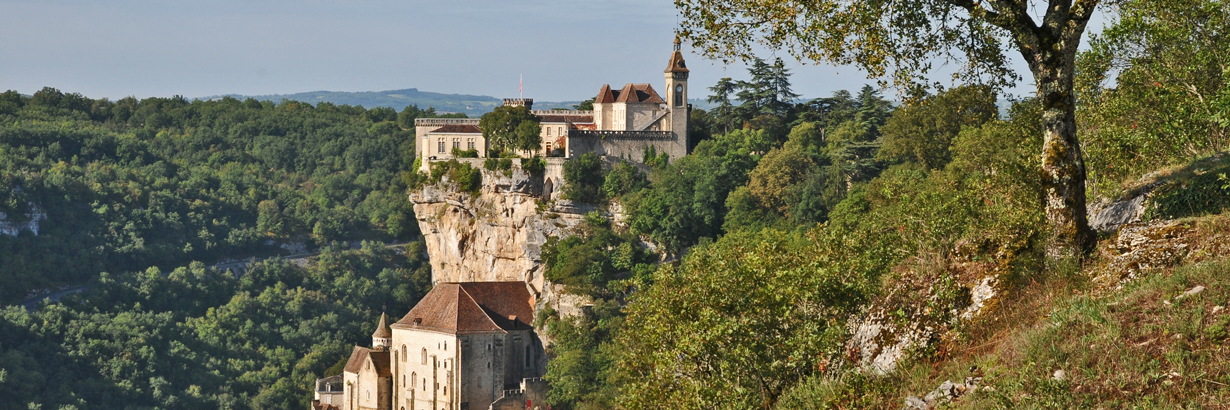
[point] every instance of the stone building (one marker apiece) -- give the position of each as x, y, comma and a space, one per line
468, 345
623, 123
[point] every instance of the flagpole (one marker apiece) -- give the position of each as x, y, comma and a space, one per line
521, 86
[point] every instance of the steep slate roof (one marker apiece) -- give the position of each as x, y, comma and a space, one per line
380, 359
472, 307
382, 330
457, 129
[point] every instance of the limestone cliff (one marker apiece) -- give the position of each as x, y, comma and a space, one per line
497, 234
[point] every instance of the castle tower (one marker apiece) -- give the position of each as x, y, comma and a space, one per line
677, 94
383, 337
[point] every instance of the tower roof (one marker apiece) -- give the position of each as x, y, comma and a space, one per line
382, 330
676, 64
605, 95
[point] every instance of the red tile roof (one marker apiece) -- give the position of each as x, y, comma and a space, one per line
605, 95
638, 93
472, 307
380, 359
457, 129
676, 64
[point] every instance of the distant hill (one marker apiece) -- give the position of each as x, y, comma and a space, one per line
471, 105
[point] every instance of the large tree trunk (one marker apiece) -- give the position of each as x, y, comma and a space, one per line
1063, 167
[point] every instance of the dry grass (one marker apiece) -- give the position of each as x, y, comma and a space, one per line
1137, 346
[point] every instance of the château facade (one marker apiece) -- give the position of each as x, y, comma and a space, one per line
624, 123
468, 345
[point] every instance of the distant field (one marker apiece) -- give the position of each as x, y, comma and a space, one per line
471, 105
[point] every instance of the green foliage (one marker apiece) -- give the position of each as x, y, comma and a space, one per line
467, 178
534, 165
736, 324
1171, 97
132, 183
196, 338
623, 178
688, 197
1204, 193
509, 128
923, 131
585, 178
465, 153
595, 263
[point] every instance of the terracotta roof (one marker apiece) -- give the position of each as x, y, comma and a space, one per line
605, 95
457, 129
380, 359
566, 118
382, 330
638, 93
472, 307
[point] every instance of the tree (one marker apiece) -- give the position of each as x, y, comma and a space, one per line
585, 178
510, 128
922, 132
739, 322
898, 39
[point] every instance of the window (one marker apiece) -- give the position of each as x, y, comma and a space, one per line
678, 95
548, 131
548, 148
403, 353
403, 380
470, 143
413, 376
457, 143
424, 355
561, 131
446, 345
488, 346
488, 365
441, 145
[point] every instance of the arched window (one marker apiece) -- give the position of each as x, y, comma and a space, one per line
678, 95
413, 377
424, 355
403, 353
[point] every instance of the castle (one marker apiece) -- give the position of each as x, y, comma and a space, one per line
623, 123
472, 345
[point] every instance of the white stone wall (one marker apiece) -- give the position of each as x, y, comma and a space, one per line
435, 388
11, 228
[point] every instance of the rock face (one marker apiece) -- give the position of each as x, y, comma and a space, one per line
497, 234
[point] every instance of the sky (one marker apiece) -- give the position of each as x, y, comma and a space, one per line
564, 49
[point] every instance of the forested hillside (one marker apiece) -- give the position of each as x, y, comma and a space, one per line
797, 219
131, 184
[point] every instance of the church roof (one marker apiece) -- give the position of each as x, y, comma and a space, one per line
382, 330
380, 359
457, 129
472, 307
631, 93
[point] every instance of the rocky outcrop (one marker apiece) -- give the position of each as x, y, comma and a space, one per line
497, 234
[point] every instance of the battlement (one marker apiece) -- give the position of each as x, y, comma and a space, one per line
528, 103
622, 135
440, 122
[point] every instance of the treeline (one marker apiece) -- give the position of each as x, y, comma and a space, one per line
130, 184
197, 338
790, 217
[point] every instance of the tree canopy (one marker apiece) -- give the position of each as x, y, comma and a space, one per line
901, 40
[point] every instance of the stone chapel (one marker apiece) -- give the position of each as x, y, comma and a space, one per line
468, 345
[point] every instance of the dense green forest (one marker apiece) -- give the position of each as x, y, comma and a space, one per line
791, 217
131, 184
198, 338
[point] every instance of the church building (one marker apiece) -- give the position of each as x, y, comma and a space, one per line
468, 345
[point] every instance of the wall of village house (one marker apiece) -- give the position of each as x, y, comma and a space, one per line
370, 390
425, 385
482, 369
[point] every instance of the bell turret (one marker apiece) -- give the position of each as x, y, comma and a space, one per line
382, 338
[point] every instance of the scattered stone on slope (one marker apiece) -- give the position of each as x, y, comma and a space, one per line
947, 392
1144, 246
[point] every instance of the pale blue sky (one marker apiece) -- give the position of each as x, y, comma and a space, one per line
566, 49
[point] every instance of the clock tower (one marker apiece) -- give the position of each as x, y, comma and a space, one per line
677, 94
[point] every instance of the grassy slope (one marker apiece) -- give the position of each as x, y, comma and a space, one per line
1135, 346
